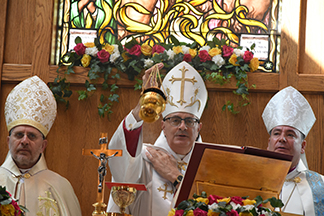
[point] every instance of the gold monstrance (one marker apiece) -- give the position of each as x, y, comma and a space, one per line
103, 155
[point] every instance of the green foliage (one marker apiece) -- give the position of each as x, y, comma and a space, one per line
130, 59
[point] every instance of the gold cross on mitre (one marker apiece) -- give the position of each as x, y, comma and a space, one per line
102, 154
182, 79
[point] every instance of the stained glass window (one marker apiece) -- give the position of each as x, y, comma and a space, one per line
239, 22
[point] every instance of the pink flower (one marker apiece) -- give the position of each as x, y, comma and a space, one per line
157, 49
204, 56
232, 213
179, 212
187, 58
135, 50
237, 200
80, 49
247, 56
199, 212
103, 56
227, 51
213, 199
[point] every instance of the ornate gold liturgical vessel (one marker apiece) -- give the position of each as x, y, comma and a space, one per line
152, 99
123, 195
103, 155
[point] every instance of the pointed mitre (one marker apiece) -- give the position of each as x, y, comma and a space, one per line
31, 103
185, 90
289, 107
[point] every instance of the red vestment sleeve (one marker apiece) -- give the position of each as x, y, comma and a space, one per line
131, 139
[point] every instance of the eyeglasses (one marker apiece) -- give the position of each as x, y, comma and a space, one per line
176, 121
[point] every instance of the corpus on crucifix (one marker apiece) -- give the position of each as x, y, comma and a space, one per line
103, 155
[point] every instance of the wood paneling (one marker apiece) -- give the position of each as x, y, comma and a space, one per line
25, 51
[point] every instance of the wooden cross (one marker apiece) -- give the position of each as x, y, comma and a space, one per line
182, 79
165, 190
103, 142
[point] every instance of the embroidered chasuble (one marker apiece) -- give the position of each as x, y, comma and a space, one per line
156, 201
42, 191
303, 192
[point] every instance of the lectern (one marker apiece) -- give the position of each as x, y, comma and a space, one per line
227, 170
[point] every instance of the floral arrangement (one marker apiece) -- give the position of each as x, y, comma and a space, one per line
217, 62
8, 206
225, 206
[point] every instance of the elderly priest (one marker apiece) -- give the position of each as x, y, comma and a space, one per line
288, 118
160, 166
30, 111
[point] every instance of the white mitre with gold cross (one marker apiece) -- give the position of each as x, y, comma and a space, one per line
185, 90
289, 107
31, 103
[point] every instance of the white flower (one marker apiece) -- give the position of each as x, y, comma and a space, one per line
170, 53
207, 48
114, 56
265, 213
92, 51
185, 49
249, 207
235, 206
219, 61
115, 49
213, 206
238, 52
148, 63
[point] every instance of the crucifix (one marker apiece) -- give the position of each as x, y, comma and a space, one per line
103, 155
182, 79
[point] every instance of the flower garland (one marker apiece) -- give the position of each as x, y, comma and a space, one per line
8, 206
225, 206
216, 62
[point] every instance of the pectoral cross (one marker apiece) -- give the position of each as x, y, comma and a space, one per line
103, 154
165, 190
182, 79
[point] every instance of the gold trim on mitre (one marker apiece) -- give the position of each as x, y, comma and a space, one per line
31, 103
29, 122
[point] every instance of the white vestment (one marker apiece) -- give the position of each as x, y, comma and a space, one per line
303, 192
156, 201
40, 190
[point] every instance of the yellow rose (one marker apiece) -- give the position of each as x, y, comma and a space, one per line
233, 60
177, 49
248, 202
190, 213
254, 64
7, 210
193, 53
146, 49
227, 200
245, 214
89, 44
214, 52
203, 200
109, 48
85, 61
211, 213
172, 212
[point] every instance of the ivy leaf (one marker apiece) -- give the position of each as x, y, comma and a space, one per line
91, 88
276, 203
78, 40
113, 97
105, 85
82, 95
242, 89
174, 40
67, 93
102, 98
113, 87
